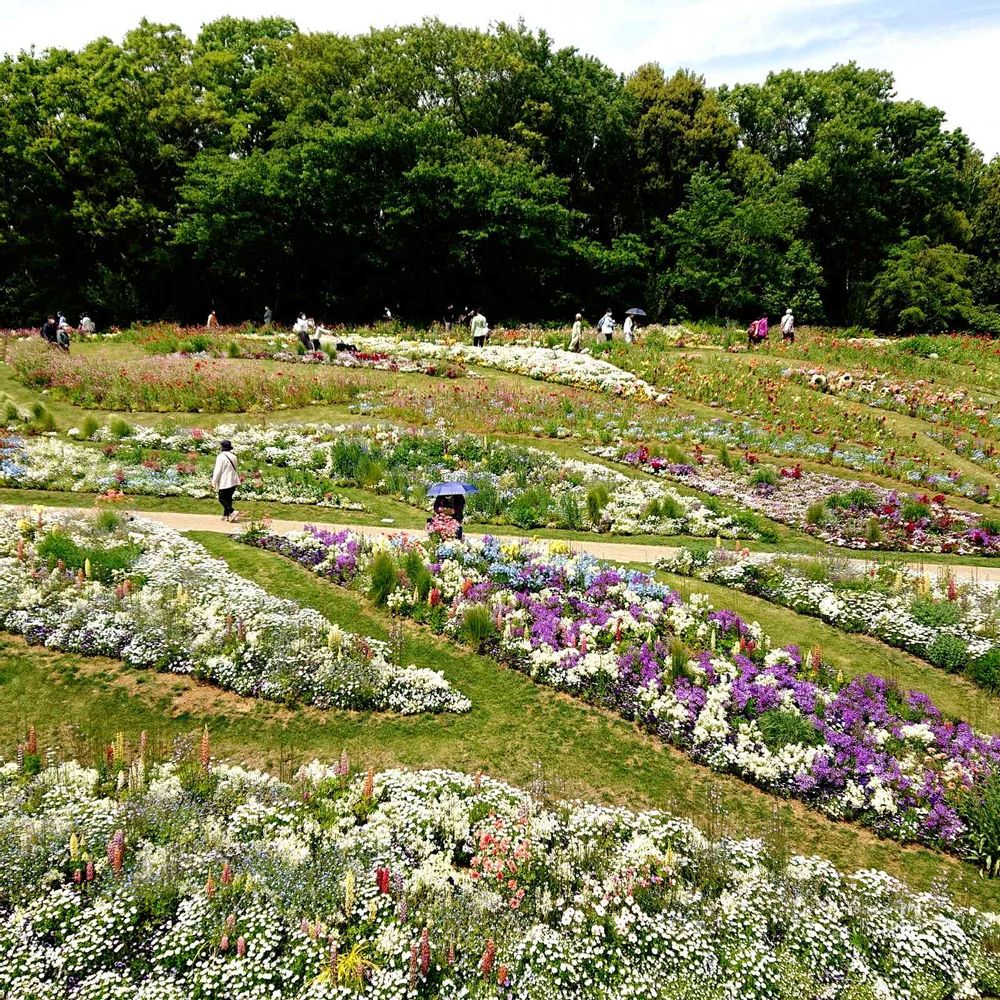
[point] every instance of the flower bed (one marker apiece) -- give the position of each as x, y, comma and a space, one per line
954, 627
701, 679
179, 384
139, 880
546, 364
49, 464
302, 463
850, 513
141, 593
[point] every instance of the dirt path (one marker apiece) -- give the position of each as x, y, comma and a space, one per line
614, 551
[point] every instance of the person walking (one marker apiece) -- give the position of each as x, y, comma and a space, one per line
606, 325
576, 338
87, 324
225, 478
480, 330
627, 328
788, 327
213, 321
268, 316
757, 332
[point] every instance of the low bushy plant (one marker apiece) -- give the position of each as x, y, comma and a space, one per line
949, 652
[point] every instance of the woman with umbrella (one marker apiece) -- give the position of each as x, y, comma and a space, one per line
629, 327
449, 501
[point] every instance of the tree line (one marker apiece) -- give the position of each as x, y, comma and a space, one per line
428, 167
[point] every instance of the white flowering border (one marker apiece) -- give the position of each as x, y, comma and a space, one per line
190, 614
330, 888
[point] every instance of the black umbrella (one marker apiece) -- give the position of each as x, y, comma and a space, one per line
635, 312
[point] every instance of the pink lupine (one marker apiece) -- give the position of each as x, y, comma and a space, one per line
241, 946
205, 754
413, 967
425, 952
489, 955
227, 874
368, 788
224, 943
382, 880
210, 886
90, 871
231, 922
32, 740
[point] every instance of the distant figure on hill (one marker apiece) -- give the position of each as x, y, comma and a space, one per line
788, 327
606, 325
49, 330
576, 338
480, 330
225, 478
627, 328
268, 316
213, 320
87, 324
757, 331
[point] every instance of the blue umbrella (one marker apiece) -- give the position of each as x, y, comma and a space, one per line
451, 489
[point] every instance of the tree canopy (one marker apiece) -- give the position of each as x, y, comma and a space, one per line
430, 166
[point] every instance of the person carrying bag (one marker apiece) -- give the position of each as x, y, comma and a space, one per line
225, 479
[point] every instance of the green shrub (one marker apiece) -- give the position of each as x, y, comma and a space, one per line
914, 510
597, 500
384, 578
46, 422
105, 564
861, 498
765, 475
120, 428
570, 515
780, 728
90, 426
990, 524
477, 628
233, 350
108, 521
531, 509
725, 459
927, 611
985, 670
949, 652
873, 532
818, 514
979, 809
37, 409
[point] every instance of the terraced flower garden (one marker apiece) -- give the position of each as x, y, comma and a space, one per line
746, 745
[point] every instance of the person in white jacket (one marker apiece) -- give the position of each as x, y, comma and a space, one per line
225, 479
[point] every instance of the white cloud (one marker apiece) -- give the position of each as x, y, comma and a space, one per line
941, 58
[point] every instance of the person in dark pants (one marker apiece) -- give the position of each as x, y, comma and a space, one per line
50, 330
225, 479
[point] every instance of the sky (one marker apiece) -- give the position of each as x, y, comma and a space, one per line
942, 53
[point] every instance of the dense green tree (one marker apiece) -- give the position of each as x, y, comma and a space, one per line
925, 288
429, 165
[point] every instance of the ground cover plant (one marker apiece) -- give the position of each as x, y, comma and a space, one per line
429, 883
698, 678
952, 625
122, 587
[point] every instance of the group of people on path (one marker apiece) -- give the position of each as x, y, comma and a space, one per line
55, 330
757, 331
